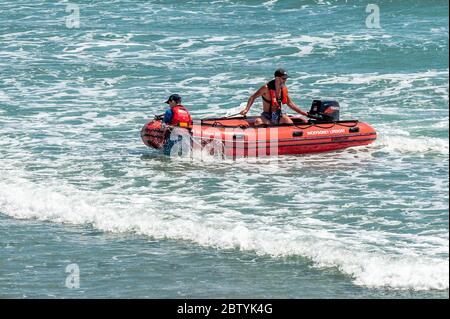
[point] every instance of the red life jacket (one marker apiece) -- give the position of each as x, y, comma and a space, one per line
275, 104
181, 116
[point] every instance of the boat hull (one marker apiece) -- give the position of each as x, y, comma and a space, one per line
239, 138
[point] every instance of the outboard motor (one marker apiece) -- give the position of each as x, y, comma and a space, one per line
326, 111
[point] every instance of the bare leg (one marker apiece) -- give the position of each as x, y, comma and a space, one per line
285, 119
261, 120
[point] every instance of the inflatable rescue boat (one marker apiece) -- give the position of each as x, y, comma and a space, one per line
239, 137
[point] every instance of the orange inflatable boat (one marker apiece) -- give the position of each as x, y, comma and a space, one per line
239, 137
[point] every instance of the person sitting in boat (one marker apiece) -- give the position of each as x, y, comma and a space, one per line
274, 94
177, 114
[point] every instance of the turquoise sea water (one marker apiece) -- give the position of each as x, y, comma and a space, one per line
78, 186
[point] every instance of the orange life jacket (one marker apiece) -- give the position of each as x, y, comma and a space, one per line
275, 104
181, 116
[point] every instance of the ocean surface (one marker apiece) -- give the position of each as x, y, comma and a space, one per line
88, 211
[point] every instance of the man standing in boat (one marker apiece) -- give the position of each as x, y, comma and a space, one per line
274, 95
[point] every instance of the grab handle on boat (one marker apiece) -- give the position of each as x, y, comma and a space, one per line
297, 133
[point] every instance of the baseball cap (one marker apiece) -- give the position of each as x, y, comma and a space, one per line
174, 97
281, 73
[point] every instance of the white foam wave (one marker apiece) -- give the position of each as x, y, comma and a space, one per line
187, 44
418, 145
229, 229
4, 97
405, 78
269, 4
405, 273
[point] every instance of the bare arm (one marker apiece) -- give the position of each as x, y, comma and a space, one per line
295, 107
253, 98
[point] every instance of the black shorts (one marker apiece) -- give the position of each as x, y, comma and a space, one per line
273, 117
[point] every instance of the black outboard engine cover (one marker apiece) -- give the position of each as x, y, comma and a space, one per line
327, 111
